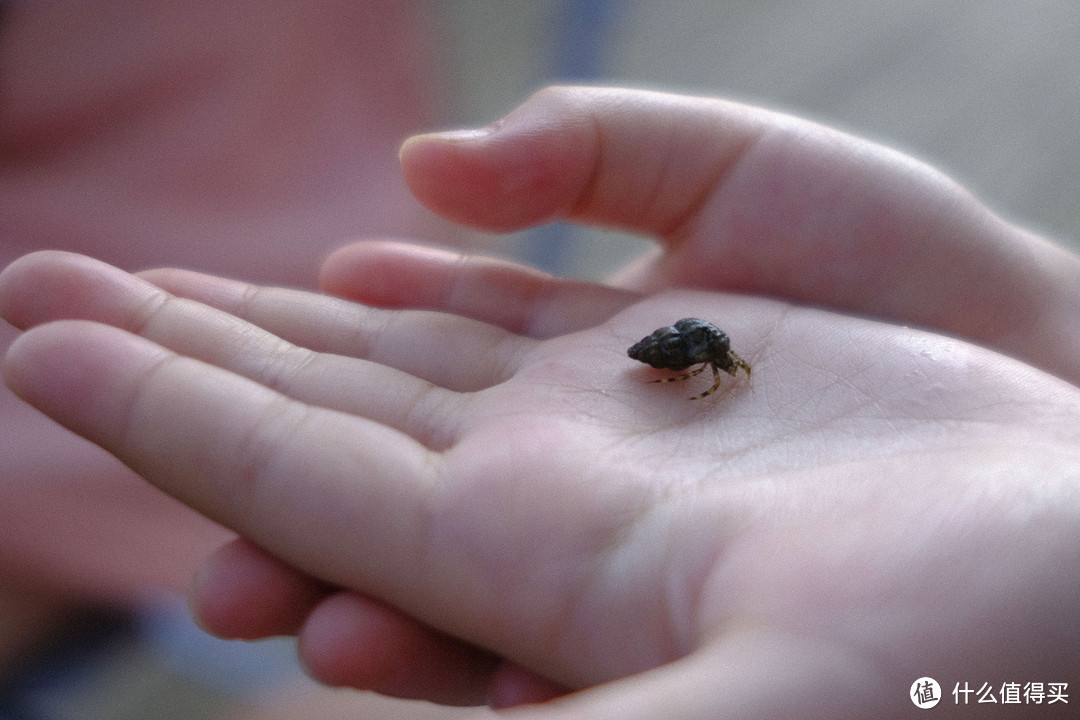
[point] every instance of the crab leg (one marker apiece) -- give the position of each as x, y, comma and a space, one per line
715, 385
684, 376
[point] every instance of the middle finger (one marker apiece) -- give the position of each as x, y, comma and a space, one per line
452, 352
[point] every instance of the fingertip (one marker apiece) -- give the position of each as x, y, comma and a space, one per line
25, 296
79, 373
346, 641
353, 641
241, 592
52, 285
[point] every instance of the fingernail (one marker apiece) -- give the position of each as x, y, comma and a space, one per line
462, 135
449, 136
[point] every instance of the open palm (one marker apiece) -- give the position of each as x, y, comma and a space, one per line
881, 503
538, 498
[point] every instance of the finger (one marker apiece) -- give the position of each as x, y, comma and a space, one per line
345, 638
750, 200
349, 640
52, 285
618, 158
48, 286
303, 482
514, 297
242, 592
415, 343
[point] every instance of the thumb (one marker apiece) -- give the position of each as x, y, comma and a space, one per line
744, 199
620, 158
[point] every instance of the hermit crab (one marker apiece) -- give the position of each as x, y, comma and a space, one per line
688, 342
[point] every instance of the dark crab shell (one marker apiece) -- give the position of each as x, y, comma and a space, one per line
688, 342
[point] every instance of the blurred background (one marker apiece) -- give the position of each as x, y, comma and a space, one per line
986, 90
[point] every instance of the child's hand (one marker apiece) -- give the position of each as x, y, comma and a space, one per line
501, 489
742, 199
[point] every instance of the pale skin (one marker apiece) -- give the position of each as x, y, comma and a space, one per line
491, 502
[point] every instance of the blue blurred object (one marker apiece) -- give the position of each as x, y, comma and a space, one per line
59, 663
580, 39
150, 661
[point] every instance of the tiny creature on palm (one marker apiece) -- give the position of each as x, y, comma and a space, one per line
688, 342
